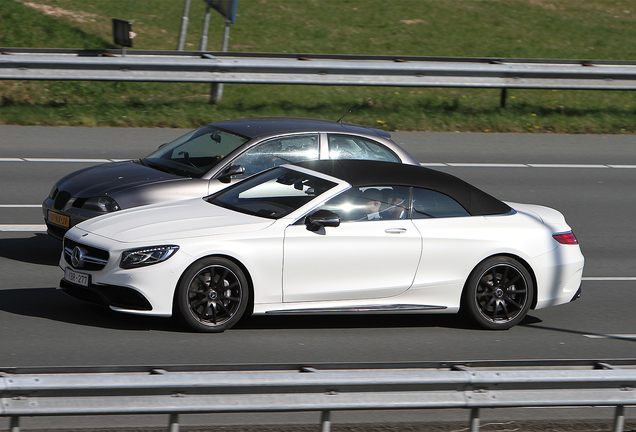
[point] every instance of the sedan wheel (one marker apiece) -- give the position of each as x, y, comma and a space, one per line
499, 293
212, 295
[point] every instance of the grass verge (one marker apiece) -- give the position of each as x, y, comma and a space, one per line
594, 29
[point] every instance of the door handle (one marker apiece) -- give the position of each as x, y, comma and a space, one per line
395, 230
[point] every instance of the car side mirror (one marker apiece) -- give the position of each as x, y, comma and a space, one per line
322, 218
232, 170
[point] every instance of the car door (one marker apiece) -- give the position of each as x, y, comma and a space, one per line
360, 259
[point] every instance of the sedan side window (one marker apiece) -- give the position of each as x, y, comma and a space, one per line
432, 204
278, 151
353, 147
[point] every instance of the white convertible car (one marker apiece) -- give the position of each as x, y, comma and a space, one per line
328, 237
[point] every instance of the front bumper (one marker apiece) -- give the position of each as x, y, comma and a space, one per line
146, 290
59, 221
117, 297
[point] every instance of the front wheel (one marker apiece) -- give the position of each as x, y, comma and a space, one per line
499, 293
212, 295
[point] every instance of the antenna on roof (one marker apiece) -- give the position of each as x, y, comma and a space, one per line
353, 109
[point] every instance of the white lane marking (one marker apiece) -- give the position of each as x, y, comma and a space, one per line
22, 228
611, 336
61, 160
428, 164
488, 165
609, 278
568, 166
66, 160
20, 205
522, 165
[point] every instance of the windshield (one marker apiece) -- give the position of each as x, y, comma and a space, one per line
273, 194
195, 153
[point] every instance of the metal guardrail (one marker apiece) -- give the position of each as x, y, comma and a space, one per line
306, 69
288, 389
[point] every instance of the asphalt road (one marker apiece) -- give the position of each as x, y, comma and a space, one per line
589, 178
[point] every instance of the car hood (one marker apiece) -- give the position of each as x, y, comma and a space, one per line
110, 178
170, 222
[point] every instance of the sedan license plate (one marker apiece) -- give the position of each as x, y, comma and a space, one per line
75, 277
58, 219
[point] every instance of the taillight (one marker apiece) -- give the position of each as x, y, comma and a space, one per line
567, 238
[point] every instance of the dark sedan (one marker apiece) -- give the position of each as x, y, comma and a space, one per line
208, 159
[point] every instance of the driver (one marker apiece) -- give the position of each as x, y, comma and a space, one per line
371, 199
397, 206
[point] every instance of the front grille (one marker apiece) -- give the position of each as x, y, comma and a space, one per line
91, 258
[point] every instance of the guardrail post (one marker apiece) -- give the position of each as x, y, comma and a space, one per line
474, 420
504, 95
14, 424
173, 423
216, 93
325, 421
619, 418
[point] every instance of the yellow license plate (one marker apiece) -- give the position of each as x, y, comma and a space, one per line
58, 219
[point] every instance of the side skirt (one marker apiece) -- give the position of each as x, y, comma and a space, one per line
354, 309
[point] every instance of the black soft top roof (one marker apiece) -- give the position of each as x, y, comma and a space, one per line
361, 173
264, 126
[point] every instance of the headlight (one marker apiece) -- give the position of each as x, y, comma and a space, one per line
147, 256
101, 204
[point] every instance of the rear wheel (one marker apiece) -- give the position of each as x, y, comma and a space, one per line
212, 295
499, 293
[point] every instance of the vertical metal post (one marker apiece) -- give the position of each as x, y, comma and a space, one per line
325, 421
14, 424
184, 26
173, 423
216, 93
474, 420
619, 418
206, 25
504, 94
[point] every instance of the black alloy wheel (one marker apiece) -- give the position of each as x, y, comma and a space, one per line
212, 295
499, 293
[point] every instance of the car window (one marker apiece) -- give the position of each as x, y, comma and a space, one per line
432, 204
195, 153
272, 194
371, 203
274, 152
353, 147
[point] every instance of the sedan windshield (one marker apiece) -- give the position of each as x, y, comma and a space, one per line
273, 194
195, 153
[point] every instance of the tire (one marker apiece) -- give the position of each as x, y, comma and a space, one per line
499, 293
212, 295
